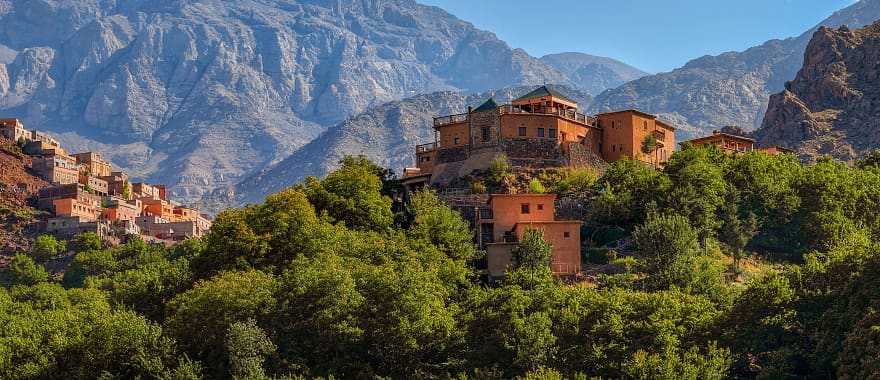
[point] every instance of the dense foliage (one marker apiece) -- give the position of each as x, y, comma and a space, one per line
330, 278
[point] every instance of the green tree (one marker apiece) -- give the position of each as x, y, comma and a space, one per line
698, 187
669, 246
247, 346
625, 192
436, 223
536, 187
215, 305
352, 195
88, 241
533, 252
22, 270
649, 144
499, 170
735, 231
47, 247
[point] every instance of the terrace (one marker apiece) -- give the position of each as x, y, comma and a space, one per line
569, 114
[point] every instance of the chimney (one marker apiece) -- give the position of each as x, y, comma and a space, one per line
470, 109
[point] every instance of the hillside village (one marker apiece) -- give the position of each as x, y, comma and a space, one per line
85, 194
542, 129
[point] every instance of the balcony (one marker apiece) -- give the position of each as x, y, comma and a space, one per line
563, 113
426, 148
451, 119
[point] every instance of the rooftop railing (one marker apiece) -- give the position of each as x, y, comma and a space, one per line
567, 114
424, 148
451, 119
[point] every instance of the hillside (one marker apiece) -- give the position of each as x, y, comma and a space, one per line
386, 134
729, 89
17, 185
831, 107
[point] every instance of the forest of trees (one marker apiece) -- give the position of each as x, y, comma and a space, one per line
329, 278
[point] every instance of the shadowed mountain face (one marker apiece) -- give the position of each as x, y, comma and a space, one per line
200, 93
386, 134
591, 73
729, 89
831, 107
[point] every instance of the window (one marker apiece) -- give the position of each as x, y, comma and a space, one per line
613, 124
613, 148
645, 126
563, 136
566, 235
522, 131
540, 132
455, 141
485, 133
524, 208
552, 133
540, 206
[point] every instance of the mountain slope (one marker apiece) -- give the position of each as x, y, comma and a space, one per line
386, 134
18, 223
729, 89
831, 107
199, 93
592, 73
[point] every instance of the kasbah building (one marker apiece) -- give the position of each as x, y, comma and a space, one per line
541, 129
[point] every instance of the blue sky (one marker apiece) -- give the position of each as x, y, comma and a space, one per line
653, 35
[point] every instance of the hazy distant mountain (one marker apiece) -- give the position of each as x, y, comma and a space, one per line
729, 89
591, 73
831, 107
199, 93
386, 134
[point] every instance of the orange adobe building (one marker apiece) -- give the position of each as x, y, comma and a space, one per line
541, 129
511, 215
728, 143
624, 133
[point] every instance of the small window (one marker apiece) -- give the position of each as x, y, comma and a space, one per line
485, 133
455, 141
552, 133
645, 127
563, 136
540, 206
566, 235
524, 208
540, 132
522, 131
613, 148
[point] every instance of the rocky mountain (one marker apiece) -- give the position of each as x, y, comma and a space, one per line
591, 73
201, 93
728, 89
832, 107
386, 134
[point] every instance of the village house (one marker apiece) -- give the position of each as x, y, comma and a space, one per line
540, 129
93, 165
119, 209
509, 216
85, 206
118, 185
13, 129
57, 168
68, 227
727, 142
735, 144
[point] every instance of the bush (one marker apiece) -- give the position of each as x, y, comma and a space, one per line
536, 187
24, 271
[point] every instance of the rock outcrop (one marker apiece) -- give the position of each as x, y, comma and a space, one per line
832, 107
18, 223
728, 89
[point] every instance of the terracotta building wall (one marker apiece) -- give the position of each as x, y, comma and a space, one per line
507, 211
616, 135
73, 207
565, 237
449, 134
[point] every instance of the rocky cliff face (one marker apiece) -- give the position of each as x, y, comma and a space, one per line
386, 134
591, 73
18, 219
833, 104
729, 89
198, 93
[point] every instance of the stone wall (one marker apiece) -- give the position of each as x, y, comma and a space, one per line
456, 154
578, 155
490, 119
